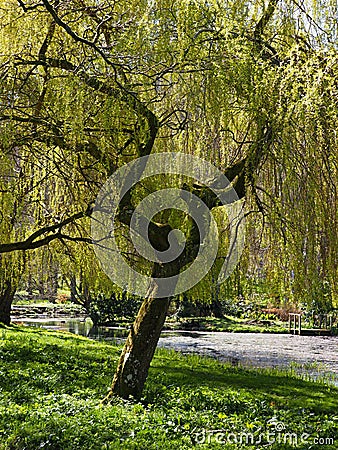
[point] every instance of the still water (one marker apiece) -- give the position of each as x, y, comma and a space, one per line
316, 356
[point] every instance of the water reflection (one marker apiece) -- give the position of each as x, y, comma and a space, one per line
77, 326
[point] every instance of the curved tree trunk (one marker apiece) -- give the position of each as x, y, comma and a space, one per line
6, 299
140, 346
139, 349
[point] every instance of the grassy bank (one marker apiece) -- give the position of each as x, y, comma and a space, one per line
51, 385
229, 324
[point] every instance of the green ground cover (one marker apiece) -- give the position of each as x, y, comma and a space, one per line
230, 324
51, 385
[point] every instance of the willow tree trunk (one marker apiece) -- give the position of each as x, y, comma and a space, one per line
6, 299
133, 366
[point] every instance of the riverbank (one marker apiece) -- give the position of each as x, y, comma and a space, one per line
229, 324
314, 356
52, 383
45, 310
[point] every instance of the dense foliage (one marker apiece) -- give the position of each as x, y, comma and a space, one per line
107, 310
88, 86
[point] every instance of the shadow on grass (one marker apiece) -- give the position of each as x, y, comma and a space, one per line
270, 385
53, 360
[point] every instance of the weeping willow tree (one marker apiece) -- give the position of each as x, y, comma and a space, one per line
90, 86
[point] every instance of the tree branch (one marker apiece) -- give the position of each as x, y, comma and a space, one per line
75, 36
31, 243
264, 20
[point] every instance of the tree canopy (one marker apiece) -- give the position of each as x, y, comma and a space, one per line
88, 86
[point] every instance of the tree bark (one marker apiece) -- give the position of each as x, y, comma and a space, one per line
216, 308
6, 299
139, 349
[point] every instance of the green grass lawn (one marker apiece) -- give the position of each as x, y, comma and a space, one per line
51, 385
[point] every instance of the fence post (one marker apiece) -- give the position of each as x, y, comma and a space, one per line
299, 324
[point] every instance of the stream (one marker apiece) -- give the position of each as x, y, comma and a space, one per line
315, 356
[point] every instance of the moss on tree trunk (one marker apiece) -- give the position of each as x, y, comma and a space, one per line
133, 366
